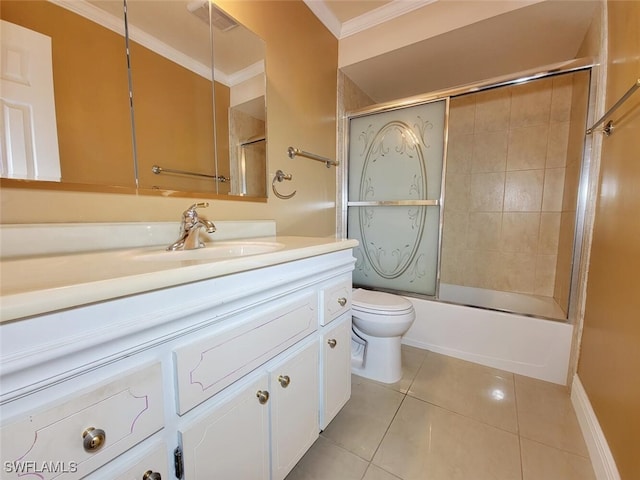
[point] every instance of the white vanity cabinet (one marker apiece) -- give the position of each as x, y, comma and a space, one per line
233, 439
294, 397
231, 377
335, 349
336, 379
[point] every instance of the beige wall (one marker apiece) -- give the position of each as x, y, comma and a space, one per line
609, 362
506, 165
301, 111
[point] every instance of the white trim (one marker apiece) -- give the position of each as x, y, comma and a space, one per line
245, 74
602, 460
325, 15
380, 15
367, 20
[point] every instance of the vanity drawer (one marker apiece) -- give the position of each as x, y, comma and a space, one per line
337, 300
153, 460
205, 367
55, 442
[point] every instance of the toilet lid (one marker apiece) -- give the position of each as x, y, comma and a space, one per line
370, 300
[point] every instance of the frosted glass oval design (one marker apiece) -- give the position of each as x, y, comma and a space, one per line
382, 179
396, 156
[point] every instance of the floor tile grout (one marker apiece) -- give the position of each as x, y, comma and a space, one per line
404, 388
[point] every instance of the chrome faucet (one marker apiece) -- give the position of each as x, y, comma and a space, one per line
190, 229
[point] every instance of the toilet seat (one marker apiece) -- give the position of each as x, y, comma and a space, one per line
368, 301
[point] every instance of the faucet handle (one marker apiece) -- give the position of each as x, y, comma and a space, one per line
198, 205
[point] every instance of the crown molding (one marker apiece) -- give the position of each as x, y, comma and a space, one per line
245, 74
380, 15
326, 16
363, 22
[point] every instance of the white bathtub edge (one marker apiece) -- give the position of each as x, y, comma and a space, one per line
524, 345
604, 466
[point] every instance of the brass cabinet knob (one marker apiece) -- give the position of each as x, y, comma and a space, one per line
263, 396
149, 475
284, 380
93, 439
342, 301
332, 342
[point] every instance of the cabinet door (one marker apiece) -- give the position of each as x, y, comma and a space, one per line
294, 410
232, 441
336, 369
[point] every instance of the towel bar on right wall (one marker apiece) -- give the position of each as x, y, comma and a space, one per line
608, 128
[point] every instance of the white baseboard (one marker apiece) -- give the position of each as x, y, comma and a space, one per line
602, 460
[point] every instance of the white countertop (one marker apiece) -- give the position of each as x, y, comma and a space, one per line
39, 284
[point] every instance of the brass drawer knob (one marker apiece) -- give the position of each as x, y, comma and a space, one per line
263, 396
93, 439
332, 342
284, 380
342, 301
149, 475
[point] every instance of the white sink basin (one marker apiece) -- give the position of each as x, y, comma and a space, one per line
213, 251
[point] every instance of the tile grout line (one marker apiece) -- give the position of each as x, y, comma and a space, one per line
515, 402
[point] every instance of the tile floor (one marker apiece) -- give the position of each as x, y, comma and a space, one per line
448, 419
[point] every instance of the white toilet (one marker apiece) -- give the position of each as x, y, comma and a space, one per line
379, 321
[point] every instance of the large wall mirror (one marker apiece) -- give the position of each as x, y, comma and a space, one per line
182, 114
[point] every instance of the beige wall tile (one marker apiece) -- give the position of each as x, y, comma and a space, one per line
553, 190
531, 103
460, 153
482, 269
457, 192
549, 233
571, 184
520, 232
453, 265
462, 112
561, 98
527, 147
484, 231
492, 110
523, 191
454, 229
545, 275
517, 272
557, 145
487, 192
489, 152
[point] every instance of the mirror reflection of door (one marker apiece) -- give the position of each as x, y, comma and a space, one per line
28, 122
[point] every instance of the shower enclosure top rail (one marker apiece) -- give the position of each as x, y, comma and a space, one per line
608, 128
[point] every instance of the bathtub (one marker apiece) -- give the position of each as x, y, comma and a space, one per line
534, 347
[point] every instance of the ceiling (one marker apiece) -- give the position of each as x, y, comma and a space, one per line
531, 35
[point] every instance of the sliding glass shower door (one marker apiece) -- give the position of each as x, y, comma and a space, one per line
395, 180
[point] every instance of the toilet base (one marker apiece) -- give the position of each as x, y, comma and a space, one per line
382, 360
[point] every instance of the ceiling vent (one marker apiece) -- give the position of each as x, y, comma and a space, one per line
219, 19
